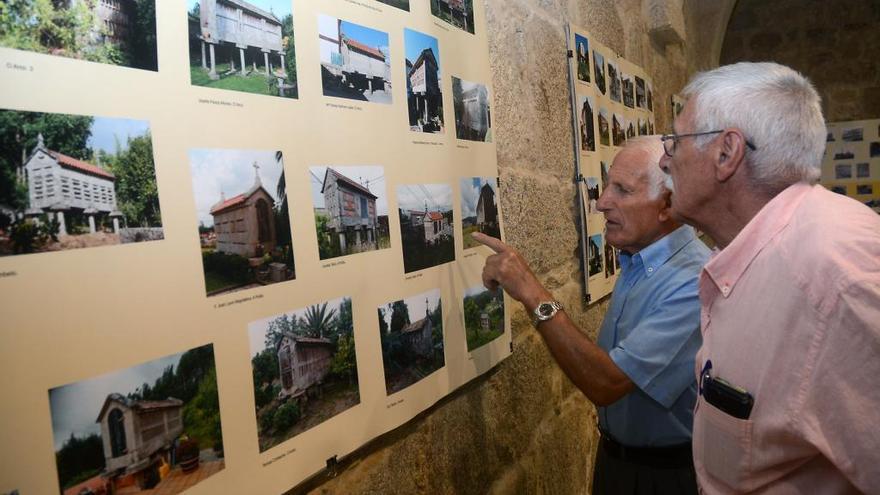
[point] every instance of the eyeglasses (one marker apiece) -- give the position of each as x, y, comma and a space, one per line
669, 140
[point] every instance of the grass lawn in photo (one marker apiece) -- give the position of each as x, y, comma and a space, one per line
427, 236
351, 209
152, 428
483, 315
479, 209
411, 331
75, 181
243, 218
304, 369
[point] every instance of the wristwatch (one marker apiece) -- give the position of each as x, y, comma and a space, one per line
545, 311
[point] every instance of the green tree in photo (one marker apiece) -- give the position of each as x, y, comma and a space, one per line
399, 316
79, 459
136, 189
317, 321
287, 44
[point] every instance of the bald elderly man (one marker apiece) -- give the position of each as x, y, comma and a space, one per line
640, 372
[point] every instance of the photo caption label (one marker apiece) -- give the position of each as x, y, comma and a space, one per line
279, 457
238, 301
370, 7
221, 103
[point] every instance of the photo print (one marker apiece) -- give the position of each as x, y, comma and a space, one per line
594, 251
829, 138
650, 99
863, 170
243, 218
641, 102
843, 171
152, 428
592, 195
609, 260
411, 332
351, 209
582, 49
479, 209
618, 131
254, 54
839, 190
585, 124
122, 32
355, 61
603, 168
423, 95
304, 369
459, 13
75, 181
630, 128
604, 128
853, 134
650, 128
875, 149
643, 127
599, 69
628, 90
483, 315
473, 117
400, 4
864, 189
425, 214
614, 89
844, 154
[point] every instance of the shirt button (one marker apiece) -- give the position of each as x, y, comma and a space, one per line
650, 269
725, 289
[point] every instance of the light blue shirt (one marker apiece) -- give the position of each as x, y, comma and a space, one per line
652, 332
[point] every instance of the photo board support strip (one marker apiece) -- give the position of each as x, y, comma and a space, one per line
578, 175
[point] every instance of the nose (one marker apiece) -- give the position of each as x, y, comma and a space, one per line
664, 163
602, 203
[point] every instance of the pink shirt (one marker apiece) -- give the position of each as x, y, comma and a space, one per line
791, 313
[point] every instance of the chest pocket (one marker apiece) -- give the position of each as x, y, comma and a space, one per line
725, 446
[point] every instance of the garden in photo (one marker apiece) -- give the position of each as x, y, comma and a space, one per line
152, 428
425, 213
479, 209
243, 46
304, 369
483, 315
411, 331
243, 218
351, 209
75, 181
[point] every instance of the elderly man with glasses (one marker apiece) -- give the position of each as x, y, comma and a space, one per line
640, 372
789, 366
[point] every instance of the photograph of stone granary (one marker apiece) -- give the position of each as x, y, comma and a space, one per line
640, 93
473, 113
425, 213
483, 315
604, 127
594, 252
585, 123
243, 46
628, 89
599, 70
582, 50
351, 209
479, 208
459, 13
304, 369
411, 331
355, 61
423, 95
75, 181
243, 218
400, 4
614, 83
151, 428
618, 131
116, 32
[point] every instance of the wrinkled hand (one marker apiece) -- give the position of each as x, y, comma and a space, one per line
508, 269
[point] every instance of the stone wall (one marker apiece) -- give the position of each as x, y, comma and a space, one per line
524, 428
833, 42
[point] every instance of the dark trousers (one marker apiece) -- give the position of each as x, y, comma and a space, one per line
624, 471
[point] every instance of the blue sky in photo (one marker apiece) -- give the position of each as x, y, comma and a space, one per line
580, 40
470, 193
415, 42
278, 7
365, 35
75, 407
107, 131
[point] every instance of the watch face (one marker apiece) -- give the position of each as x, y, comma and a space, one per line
545, 309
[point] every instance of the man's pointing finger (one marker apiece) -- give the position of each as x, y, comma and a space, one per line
493, 243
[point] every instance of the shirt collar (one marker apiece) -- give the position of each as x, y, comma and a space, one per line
657, 253
728, 265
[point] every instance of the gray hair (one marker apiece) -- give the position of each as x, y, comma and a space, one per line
652, 148
777, 109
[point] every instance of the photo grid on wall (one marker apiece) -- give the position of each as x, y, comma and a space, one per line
251, 237
614, 102
851, 164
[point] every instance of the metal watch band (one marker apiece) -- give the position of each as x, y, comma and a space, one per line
545, 311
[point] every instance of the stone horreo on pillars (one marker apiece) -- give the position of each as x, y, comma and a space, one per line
240, 33
351, 209
60, 185
245, 224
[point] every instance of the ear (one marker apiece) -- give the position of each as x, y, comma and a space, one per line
730, 155
665, 213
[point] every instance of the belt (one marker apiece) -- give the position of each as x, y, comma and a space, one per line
670, 457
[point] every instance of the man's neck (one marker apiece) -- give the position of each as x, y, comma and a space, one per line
730, 213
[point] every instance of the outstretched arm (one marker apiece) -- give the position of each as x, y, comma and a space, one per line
588, 366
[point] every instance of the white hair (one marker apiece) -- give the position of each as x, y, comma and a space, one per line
652, 148
777, 109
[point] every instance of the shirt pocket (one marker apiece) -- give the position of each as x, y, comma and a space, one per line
726, 445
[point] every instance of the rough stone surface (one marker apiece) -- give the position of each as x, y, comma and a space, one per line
524, 428
834, 43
